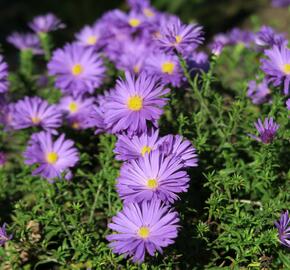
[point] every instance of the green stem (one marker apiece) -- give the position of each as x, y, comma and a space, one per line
26, 65
46, 45
94, 204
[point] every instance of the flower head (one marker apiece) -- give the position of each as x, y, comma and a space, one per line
267, 131
46, 23
283, 226
258, 92
267, 37
4, 237
33, 111
25, 42
133, 102
288, 104
54, 158
277, 66
78, 69
154, 176
149, 226
3, 75
180, 37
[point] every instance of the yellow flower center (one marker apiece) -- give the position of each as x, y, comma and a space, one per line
178, 39
134, 22
35, 120
77, 69
286, 69
75, 125
73, 107
92, 40
52, 157
135, 103
152, 183
149, 13
145, 149
144, 232
136, 69
168, 67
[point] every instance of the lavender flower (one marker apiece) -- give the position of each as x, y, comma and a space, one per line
46, 23
178, 36
3, 76
280, 3
24, 42
258, 93
283, 226
53, 157
149, 226
288, 104
216, 47
267, 37
134, 102
267, 131
4, 237
277, 66
152, 177
33, 111
78, 69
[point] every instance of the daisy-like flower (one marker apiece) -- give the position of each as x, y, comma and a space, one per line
277, 66
166, 67
216, 48
133, 102
267, 131
4, 237
176, 145
138, 228
54, 158
283, 226
33, 111
258, 92
154, 176
178, 36
46, 23
133, 147
24, 42
78, 69
267, 37
3, 75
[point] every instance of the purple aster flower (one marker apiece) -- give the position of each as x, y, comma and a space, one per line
166, 67
178, 36
133, 147
244, 37
197, 62
78, 69
4, 237
2, 158
277, 66
25, 42
53, 157
267, 131
216, 47
154, 176
177, 146
33, 111
133, 102
288, 104
149, 226
280, 3
283, 226
258, 93
3, 75
138, 4
6, 114
267, 37
46, 23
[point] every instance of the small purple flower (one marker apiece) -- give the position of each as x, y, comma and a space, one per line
154, 176
6, 114
277, 66
283, 226
280, 3
133, 147
3, 75
149, 226
267, 131
46, 23
180, 37
166, 67
133, 102
216, 47
33, 111
177, 146
197, 62
53, 157
4, 237
24, 42
2, 158
258, 92
78, 69
267, 37
288, 104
